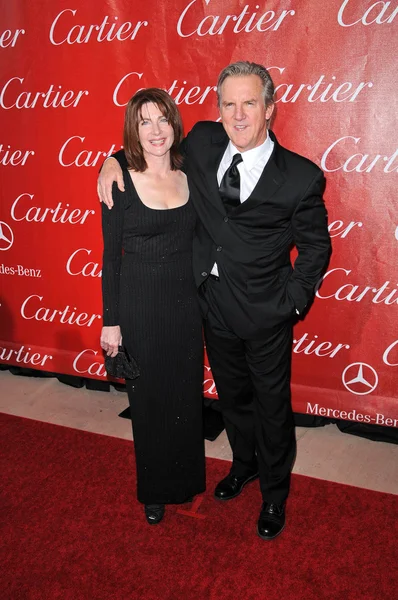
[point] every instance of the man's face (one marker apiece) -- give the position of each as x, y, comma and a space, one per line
243, 113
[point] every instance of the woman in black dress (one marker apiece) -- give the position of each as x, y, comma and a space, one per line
150, 302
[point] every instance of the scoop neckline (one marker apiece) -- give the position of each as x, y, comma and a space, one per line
149, 207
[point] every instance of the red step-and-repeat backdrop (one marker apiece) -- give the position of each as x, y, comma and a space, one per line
68, 69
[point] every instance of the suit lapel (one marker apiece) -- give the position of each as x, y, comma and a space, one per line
271, 179
215, 151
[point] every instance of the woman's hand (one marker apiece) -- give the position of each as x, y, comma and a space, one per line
110, 172
111, 339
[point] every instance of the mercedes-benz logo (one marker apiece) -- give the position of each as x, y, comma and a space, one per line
6, 236
360, 378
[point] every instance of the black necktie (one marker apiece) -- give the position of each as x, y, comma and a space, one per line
230, 184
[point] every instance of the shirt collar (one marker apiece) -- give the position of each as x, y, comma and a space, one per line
250, 157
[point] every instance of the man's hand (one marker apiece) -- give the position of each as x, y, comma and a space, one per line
111, 339
110, 172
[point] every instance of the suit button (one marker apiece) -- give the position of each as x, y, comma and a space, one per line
219, 248
204, 274
226, 219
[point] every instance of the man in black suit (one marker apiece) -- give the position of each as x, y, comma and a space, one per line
255, 200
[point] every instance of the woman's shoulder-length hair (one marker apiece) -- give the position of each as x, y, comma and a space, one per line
133, 116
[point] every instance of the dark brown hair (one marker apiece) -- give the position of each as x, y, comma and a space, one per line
132, 147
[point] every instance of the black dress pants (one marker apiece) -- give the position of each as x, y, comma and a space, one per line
252, 378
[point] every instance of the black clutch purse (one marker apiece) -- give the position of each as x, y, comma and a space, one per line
121, 366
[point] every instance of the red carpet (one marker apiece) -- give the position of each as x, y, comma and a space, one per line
72, 529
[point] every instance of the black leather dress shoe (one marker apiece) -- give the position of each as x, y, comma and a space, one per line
271, 521
231, 486
154, 513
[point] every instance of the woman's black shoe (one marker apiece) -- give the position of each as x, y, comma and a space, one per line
154, 513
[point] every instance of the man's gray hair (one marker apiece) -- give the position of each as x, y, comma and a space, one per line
244, 67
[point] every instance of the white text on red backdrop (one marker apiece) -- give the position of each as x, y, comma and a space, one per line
353, 12
31, 309
355, 292
361, 163
244, 22
11, 96
387, 356
65, 30
24, 356
84, 365
9, 37
72, 154
77, 264
14, 158
324, 89
20, 271
60, 214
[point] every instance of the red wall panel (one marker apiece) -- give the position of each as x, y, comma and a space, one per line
67, 71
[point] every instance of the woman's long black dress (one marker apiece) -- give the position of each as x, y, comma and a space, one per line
150, 293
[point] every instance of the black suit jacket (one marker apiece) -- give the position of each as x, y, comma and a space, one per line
252, 244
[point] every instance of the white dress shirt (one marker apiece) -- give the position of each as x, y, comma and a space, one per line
250, 169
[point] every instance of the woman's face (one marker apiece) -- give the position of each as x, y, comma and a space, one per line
155, 133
